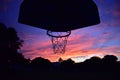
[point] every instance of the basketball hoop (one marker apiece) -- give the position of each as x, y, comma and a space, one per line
59, 18
59, 40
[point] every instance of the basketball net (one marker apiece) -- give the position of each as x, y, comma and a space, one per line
59, 40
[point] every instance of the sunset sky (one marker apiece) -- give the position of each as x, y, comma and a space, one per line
83, 43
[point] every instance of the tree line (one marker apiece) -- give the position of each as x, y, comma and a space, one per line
14, 63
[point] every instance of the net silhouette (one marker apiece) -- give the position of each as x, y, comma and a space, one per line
59, 40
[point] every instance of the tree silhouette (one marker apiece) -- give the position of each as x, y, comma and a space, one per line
67, 64
14, 43
41, 63
93, 60
60, 60
3, 43
9, 45
109, 59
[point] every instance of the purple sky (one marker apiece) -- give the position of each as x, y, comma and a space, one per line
84, 43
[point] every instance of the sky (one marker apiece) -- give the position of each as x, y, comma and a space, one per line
98, 40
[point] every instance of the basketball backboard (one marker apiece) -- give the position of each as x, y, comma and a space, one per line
59, 15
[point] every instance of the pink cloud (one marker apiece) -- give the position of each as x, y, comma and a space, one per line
116, 13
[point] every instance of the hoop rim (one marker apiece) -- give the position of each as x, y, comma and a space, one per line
48, 33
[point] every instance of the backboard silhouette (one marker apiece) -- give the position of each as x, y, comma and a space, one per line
59, 15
